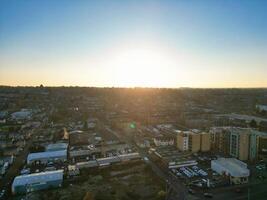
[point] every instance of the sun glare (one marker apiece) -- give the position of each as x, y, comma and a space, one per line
144, 67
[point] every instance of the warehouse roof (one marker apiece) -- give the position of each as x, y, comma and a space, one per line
129, 156
38, 177
231, 166
47, 154
108, 160
53, 147
91, 163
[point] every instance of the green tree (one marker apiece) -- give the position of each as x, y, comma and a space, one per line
253, 123
161, 195
85, 125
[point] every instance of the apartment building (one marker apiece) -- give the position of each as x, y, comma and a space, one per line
193, 141
241, 143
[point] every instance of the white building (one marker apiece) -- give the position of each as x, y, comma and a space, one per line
56, 147
37, 181
235, 169
163, 141
21, 115
261, 107
48, 156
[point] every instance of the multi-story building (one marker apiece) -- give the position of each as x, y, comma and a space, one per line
262, 147
258, 145
220, 137
241, 143
205, 143
182, 141
193, 141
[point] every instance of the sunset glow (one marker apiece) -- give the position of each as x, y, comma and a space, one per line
120, 44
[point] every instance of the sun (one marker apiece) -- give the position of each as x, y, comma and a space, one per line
140, 67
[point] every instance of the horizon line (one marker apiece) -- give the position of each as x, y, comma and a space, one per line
133, 87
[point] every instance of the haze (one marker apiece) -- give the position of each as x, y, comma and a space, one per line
133, 43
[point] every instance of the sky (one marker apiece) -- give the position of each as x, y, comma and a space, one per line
186, 43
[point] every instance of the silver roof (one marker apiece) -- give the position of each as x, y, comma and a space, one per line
38, 177
47, 154
232, 166
51, 147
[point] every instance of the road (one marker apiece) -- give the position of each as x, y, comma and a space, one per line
176, 185
172, 182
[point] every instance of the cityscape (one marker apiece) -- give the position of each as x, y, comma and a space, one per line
133, 100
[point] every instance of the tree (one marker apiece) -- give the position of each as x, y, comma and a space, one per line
161, 195
88, 196
253, 123
85, 125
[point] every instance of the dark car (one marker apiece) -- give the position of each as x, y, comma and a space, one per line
191, 191
208, 195
238, 190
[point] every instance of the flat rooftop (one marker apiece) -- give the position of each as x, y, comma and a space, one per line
232, 166
38, 177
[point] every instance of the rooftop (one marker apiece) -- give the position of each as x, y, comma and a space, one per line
51, 147
38, 177
47, 154
233, 166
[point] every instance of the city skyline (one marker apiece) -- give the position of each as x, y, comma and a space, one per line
202, 44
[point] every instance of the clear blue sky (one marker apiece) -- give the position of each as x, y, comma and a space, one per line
210, 43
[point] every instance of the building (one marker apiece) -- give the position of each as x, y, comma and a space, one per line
107, 161
258, 145
182, 141
56, 147
194, 141
248, 144
87, 164
220, 140
129, 156
169, 157
78, 137
261, 108
48, 156
24, 114
239, 143
236, 170
163, 141
205, 143
262, 148
37, 181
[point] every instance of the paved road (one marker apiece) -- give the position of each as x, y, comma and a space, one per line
172, 182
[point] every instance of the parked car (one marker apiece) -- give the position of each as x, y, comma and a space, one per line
238, 190
191, 191
208, 195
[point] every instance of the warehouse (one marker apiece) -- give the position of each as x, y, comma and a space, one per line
56, 147
235, 169
107, 160
49, 156
129, 156
91, 163
38, 181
